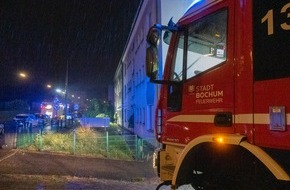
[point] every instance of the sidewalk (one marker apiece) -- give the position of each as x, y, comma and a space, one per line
25, 162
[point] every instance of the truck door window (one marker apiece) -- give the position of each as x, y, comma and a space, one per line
206, 47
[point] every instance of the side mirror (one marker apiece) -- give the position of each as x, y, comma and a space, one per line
154, 35
153, 38
151, 62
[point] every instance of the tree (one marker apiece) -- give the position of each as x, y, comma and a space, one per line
100, 108
93, 108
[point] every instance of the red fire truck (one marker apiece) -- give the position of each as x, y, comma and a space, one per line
52, 109
222, 116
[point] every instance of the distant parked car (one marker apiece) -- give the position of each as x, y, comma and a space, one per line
42, 118
25, 120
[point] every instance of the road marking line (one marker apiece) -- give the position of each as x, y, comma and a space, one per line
8, 156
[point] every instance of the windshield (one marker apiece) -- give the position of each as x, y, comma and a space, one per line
167, 37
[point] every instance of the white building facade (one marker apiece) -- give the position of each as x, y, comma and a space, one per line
135, 96
118, 98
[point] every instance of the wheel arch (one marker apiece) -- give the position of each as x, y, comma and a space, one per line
230, 139
267, 160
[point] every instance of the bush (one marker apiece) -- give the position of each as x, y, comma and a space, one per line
57, 142
84, 141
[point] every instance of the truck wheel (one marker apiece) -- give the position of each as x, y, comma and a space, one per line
228, 167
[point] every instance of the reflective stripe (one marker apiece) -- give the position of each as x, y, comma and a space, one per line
193, 118
243, 119
261, 118
258, 118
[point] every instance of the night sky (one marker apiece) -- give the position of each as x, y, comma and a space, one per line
41, 36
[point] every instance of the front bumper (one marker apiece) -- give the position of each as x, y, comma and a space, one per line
156, 161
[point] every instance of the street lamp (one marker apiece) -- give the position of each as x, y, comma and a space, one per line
59, 91
22, 75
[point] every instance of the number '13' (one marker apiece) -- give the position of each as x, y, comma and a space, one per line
269, 17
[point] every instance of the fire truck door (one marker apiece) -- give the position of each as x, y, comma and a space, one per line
202, 70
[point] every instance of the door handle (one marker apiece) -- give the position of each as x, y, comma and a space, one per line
223, 119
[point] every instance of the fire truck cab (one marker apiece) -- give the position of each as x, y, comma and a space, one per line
223, 116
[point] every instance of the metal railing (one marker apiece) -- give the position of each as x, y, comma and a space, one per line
127, 147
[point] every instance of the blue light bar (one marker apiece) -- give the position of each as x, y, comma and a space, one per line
192, 4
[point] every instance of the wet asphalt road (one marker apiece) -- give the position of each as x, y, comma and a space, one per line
37, 170
21, 169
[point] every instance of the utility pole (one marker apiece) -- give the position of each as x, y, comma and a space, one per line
65, 95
